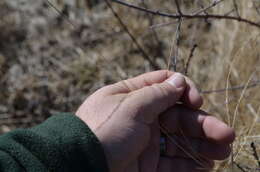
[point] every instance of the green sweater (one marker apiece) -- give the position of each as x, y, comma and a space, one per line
63, 143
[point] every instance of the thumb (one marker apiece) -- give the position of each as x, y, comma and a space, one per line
148, 102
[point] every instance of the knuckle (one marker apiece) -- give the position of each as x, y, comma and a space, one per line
128, 85
160, 90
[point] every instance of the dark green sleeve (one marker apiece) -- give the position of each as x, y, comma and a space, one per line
62, 143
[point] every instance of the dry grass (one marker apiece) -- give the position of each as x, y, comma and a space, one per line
48, 66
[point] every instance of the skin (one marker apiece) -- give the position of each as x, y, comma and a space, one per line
126, 118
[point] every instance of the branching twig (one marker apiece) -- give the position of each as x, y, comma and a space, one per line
188, 16
145, 55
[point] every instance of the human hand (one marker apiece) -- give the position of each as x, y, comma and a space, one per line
126, 118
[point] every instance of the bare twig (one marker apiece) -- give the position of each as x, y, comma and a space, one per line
255, 154
187, 65
187, 16
240, 167
204, 11
239, 87
176, 56
177, 36
155, 34
145, 55
178, 7
232, 157
175, 48
236, 8
229, 12
213, 4
61, 14
256, 8
171, 54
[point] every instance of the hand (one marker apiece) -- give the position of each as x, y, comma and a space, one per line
125, 117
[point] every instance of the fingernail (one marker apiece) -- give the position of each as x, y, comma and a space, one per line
177, 80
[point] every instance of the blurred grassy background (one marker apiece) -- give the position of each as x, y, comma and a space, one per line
49, 65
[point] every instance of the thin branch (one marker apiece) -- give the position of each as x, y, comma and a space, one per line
145, 55
204, 11
178, 7
170, 56
187, 16
176, 56
61, 14
236, 8
255, 154
155, 34
239, 87
175, 48
240, 167
213, 4
256, 8
187, 65
230, 12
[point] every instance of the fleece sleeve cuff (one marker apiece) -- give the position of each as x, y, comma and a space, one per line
78, 147
61, 143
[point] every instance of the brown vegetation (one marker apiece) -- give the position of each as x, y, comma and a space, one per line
50, 61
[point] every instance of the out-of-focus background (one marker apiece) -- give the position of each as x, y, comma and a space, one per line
53, 54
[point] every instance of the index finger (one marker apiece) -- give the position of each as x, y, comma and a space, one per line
191, 96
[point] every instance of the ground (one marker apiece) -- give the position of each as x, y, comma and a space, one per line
52, 59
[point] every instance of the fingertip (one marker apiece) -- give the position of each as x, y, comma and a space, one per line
218, 131
196, 98
177, 80
226, 133
192, 96
230, 136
